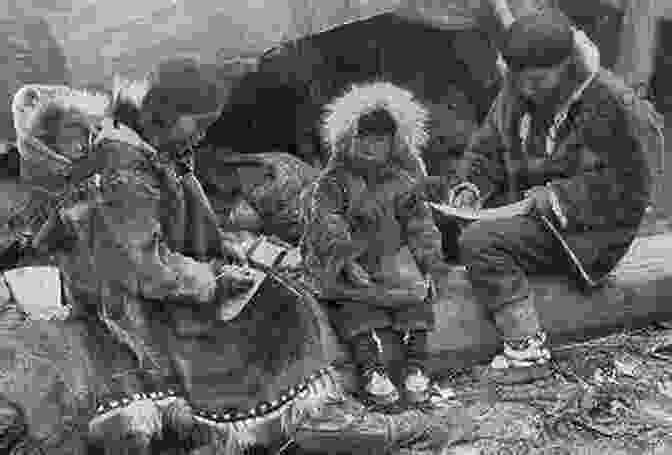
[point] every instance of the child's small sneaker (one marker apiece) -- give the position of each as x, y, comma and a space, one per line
416, 386
420, 389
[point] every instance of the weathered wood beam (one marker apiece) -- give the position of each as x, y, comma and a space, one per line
638, 42
638, 293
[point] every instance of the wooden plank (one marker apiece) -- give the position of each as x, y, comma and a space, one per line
638, 42
347, 427
636, 294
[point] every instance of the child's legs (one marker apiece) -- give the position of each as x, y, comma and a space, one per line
413, 323
354, 323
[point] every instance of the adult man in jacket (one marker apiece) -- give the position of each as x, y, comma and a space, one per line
571, 136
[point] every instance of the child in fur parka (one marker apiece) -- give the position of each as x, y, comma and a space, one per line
360, 212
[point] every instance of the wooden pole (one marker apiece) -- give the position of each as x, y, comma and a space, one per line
506, 12
638, 43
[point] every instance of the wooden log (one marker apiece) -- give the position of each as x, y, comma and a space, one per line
636, 294
348, 427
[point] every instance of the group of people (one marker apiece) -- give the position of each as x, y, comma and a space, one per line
563, 132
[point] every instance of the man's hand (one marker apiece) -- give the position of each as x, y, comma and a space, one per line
232, 280
541, 200
233, 252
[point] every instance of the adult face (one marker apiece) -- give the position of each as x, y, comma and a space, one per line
67, 133
158, 123
538, 84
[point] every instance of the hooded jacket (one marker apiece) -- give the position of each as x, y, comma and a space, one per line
593, 158
349, 219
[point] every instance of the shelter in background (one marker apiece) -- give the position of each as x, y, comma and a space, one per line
29, 53
445, 56
442, 51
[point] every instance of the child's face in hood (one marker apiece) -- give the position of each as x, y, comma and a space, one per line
372, 150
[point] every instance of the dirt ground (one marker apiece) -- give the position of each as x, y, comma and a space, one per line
610, 396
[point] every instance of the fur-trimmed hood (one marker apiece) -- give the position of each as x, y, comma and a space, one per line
38, 111
31, 101
342, 114
411, 117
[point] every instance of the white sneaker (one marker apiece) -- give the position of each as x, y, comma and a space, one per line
526, 353
379, 388
418, 388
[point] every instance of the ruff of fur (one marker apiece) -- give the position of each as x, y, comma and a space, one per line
129, 92
411, 117
34, 105
32, 100
37, 109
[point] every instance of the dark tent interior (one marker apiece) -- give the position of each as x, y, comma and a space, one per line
452, 71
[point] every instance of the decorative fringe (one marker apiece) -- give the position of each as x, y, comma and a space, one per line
411, 117
231, 433
233, 438
140, 418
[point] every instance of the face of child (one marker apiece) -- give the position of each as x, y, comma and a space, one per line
373, 149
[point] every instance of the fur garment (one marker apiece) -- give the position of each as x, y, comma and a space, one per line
341, 116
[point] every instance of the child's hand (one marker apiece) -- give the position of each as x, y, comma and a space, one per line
356, 275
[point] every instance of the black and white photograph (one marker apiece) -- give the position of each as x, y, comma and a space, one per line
335, 227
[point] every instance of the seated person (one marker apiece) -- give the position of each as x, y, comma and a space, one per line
360, 212
256, 192
570, 136
112, 242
